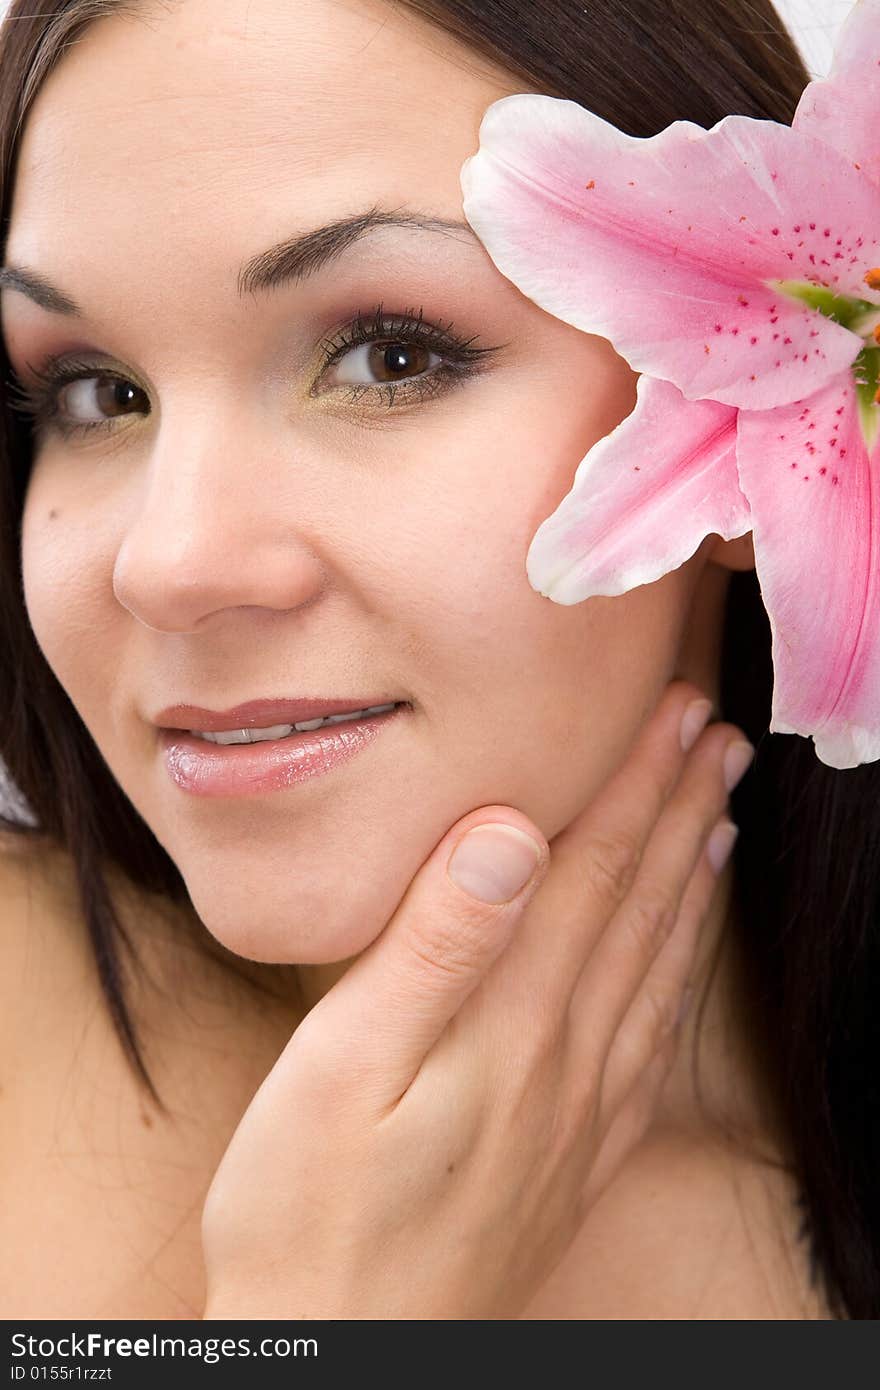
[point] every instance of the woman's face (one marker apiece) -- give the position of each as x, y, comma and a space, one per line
247, 528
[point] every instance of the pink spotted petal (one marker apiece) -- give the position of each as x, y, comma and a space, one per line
844, 108
663, 245
643, 499
814, 490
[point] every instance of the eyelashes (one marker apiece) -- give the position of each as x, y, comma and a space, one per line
408, 331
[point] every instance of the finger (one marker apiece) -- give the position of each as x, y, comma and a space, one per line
522, 1015
624, 954
371, 1032
657, 1005
594, 861
623, 1127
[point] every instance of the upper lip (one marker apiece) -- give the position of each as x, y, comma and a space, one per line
262, 714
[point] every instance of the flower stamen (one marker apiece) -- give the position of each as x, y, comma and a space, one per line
872, 279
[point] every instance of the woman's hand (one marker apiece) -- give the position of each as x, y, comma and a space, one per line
430, 1139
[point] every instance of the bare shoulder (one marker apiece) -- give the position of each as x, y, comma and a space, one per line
37, 884
43, 940
25, 862
693, 1231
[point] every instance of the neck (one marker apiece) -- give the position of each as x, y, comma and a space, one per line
719, 1084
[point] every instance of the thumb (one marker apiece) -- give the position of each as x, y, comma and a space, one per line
392, 1004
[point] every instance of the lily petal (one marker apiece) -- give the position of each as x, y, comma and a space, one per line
670, 246
814, 490
643, 499
844, 108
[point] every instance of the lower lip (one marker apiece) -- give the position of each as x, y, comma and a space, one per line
250, 769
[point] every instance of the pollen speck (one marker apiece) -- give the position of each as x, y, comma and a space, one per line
706, 347
591, 184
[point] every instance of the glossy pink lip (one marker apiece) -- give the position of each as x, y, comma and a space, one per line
262, 714
250, 769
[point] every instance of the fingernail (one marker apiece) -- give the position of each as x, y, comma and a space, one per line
720, 843
694, 721
736, 760
493, 862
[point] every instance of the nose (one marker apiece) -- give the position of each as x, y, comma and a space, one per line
213, 525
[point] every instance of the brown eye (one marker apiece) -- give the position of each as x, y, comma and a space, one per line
107, 396
370, 364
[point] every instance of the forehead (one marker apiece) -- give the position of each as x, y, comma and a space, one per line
207, 128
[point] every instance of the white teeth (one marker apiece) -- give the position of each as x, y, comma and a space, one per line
282, 730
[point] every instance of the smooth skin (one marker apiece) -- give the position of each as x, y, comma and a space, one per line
247, 530
461, 1097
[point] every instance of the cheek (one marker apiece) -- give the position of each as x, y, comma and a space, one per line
62, 594
532, 703
547, 704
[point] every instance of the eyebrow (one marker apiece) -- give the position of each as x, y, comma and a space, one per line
289, 261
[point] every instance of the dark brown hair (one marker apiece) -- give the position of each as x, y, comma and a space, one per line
807, 881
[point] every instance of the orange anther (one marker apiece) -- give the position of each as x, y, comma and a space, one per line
872, 279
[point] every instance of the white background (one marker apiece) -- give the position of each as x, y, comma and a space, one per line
814, 24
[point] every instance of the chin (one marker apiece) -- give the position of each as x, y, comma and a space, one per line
266, 937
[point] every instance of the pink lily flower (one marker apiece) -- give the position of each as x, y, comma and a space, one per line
738, 269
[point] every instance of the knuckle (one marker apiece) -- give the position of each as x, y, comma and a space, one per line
650, 919
661, 1016
455, 948
611, 865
